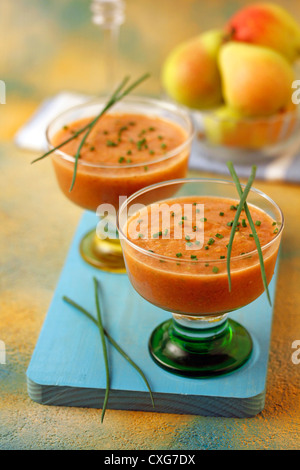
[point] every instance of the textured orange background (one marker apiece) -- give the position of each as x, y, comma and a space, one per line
53, 46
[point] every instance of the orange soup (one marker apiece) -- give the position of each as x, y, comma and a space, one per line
122, 154
180, 263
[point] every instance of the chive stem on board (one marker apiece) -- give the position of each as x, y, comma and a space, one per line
104, 348
112, 341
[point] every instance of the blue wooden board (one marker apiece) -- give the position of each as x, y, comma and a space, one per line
67, 366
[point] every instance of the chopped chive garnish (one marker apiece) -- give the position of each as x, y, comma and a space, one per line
211, 241
275, 230
197, 242
193, 257
219, 235
166, 232
151, 128
274, 223
230, 224
244, 223
145, 168
110, 143
221, 213
181, 222
189, 243
157, 234
222, 257
129, 152
206, 247
160, 137
194, 203
151, 152
215, 269
92, 149
121, 159
258, 222
140, 143
141, 235
251, 235
163, 145
204, 219
184, 217
187, 237
234, 208
122, 129
206, 265
65, 128
172, 214
243, 205
178, 255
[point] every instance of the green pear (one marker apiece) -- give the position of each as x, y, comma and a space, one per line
256, 80
267, 25
190, 73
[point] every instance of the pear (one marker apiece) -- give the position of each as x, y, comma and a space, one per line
267, 25
223, 126
256, 81
190, 73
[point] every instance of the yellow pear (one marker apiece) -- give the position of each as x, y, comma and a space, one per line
190, 73
256, 81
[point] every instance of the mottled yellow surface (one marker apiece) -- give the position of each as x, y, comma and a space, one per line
51, 46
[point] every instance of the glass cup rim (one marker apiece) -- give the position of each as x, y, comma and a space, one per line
169, 106
197, 180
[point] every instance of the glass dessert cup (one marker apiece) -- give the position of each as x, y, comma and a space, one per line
199, 340
222, 136
100, 185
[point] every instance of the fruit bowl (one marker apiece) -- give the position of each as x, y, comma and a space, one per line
223, 136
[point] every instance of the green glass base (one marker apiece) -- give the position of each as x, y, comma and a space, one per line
201, 353
102, 254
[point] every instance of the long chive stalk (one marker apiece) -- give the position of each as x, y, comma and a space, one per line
102, 335
251, 223
112, 341
236, 219
118, 95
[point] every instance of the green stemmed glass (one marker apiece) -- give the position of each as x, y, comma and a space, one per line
199, 340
